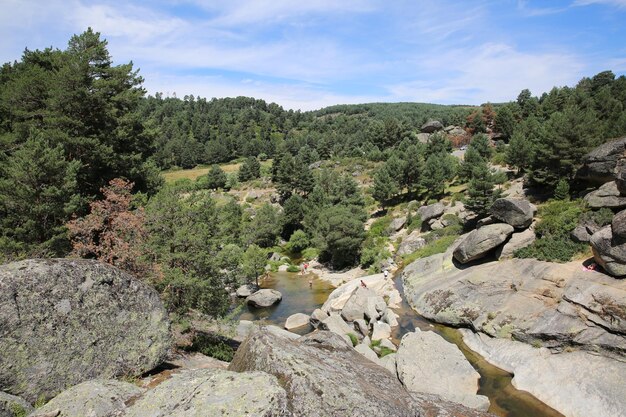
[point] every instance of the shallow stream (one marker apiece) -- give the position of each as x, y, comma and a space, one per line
299, 296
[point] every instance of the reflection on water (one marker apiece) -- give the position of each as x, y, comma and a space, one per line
506, 401
298, 297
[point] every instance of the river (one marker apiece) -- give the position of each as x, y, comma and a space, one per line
301, 297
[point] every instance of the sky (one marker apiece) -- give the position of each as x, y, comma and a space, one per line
307, 54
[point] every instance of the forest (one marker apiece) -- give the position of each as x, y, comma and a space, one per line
83, 148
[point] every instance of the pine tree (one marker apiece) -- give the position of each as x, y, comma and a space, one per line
250, 169
384, 186
215, 178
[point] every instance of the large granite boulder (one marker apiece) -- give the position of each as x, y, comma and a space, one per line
65, 321
480, 241
297, 320
599, 164
264, 298
518, 212
618, 224
335, 324
214, 393
575, 383
361, 304
12, 406
517, 241
609, 251
384, 287
246, 290
423, 137
397, 224
425, 362
560, 305
324, 376
96, 398
606, 196
431, 126
620, 175
411, 243
431, 211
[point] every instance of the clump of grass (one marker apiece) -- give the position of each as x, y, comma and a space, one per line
353, 339
212, 345
293, 268
437, 246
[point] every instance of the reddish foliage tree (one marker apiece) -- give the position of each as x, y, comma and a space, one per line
489, 117
112, 232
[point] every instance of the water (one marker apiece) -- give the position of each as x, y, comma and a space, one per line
298, 297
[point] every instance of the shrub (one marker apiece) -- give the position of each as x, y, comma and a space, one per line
298, 241
559, 217
554, 249
293, 268
353, 339
212, 345
310, 254
600, 217
415, 223
380, 227
438, 246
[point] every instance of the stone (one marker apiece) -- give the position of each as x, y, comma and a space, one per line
485, 221
397, 224
517, 241
11, 405
431, 211
609, 251
606, 196
599, 165
620, 176
335, 324
389, 362
618, 224
264, 298
366, 351
283, 268
96, 398
381, 331
388, 344
358, 305
425, 362
457, 131
431, 126
436, 225
561, 305
580, 234
518, 212
275, 257
577, 383
213, 393
297, 320
390, 317
384, 287
65, 321
246, 290
316, 369
411, 243
481, 241
317, 316
361, 327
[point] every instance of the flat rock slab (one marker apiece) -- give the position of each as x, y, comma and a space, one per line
427, 363
213, 393
65, 321
577, 384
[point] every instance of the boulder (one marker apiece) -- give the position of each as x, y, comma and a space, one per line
335, 324
264, 298
397, 224
436, 224
246, 290
390, 317
620, 176
384, 287
485, 221
366, 351
283, 268
326, 377
599, 164
297, 320
423, 138
96, 398
517, 241
480, 241
431, 126
213, 393
580, 234
388, 344
65, 321
427, 363
361, 327
381, 331
609, 251
606, 196
618, 225
411, 243
431, 211
518, 212
561, 305
456, 131
317, 316
389, 363
359, 305
576, 383
12, 406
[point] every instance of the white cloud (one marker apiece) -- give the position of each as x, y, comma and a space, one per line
616, 3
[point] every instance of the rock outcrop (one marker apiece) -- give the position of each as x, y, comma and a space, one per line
606, 196
411, 243
425, 362
65, 321
246, 290
96, 398
517, 241
560, 305
431, 126
577, 383
431, 211
264, 298
518, 212
213, 392
599, 165
12, 406
481, 241
324, 376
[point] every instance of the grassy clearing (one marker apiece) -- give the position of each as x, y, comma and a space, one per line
194, 173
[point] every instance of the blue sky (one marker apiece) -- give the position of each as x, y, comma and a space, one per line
310, 54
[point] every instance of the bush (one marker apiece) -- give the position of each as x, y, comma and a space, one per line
298, 241
293, 268
380, 227
415, 223
310, 253
432, 248
212, 345
353, 339
553, 249
600, 217
559, 217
